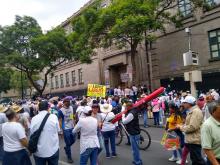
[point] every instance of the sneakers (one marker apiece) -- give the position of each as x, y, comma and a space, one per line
179, 162
70, 160
108, 157
173, 159
114, 155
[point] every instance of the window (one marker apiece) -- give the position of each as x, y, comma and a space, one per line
61, 81
80, 76
56, 82
73, 77
214, 43
185, 7
213, 2
67, 79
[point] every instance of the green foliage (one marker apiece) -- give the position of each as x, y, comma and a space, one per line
5, 76
81, 37
16, 81
25, 47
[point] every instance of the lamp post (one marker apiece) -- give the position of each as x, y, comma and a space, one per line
22, 86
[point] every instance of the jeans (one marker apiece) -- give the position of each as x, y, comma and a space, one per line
69, 139
195, 154
101, 142
109, 135
135, 149
91, 153
181, 137
16, 158
145, 118
53, 160
209, 162
1, 148
156, 118
161, 114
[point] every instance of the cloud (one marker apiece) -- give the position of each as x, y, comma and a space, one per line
49, 13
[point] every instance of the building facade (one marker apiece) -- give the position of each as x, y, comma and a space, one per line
158, 64
167, 53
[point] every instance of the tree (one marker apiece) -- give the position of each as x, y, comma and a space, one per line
21, 83
129, 22
81, 36
25, 47
5, 77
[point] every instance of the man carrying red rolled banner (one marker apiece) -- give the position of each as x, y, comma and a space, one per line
131, 122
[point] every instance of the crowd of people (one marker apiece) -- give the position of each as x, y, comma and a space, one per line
195, 121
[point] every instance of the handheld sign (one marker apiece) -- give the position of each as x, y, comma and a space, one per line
95, 90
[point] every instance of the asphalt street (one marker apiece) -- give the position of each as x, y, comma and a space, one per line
155, 155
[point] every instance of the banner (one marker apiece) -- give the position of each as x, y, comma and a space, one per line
95, 90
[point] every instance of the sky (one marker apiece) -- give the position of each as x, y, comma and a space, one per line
48, 13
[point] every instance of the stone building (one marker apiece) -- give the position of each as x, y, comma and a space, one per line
167, 53
162, 64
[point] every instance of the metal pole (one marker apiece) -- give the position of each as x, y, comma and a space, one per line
22, 87
189, 38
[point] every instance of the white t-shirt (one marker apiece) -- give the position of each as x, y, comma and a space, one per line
48, 143
3, 119
12, 133
68, 117
79, 112
127, 91
107, 126
88, 133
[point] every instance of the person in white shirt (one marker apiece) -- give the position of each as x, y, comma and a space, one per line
15, 141
108, 129
127, 91
3, 119
115, 91
68, 125
89, 142
119, 92
215, 94
79, 110
48, 144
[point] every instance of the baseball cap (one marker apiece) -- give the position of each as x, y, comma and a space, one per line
190, 100
87, 109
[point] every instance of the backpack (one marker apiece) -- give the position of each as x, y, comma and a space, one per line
117, 109
32, 145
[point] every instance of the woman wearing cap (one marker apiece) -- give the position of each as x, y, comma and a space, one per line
108, 129
89, 142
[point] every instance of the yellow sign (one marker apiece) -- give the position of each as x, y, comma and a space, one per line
96, 90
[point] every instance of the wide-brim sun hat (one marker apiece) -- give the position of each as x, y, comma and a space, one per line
16, 108
105, 108
2, 108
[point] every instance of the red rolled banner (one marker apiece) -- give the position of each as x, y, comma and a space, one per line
146, 99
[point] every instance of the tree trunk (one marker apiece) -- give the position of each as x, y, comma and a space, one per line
36, 86
148, 63
133, 63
